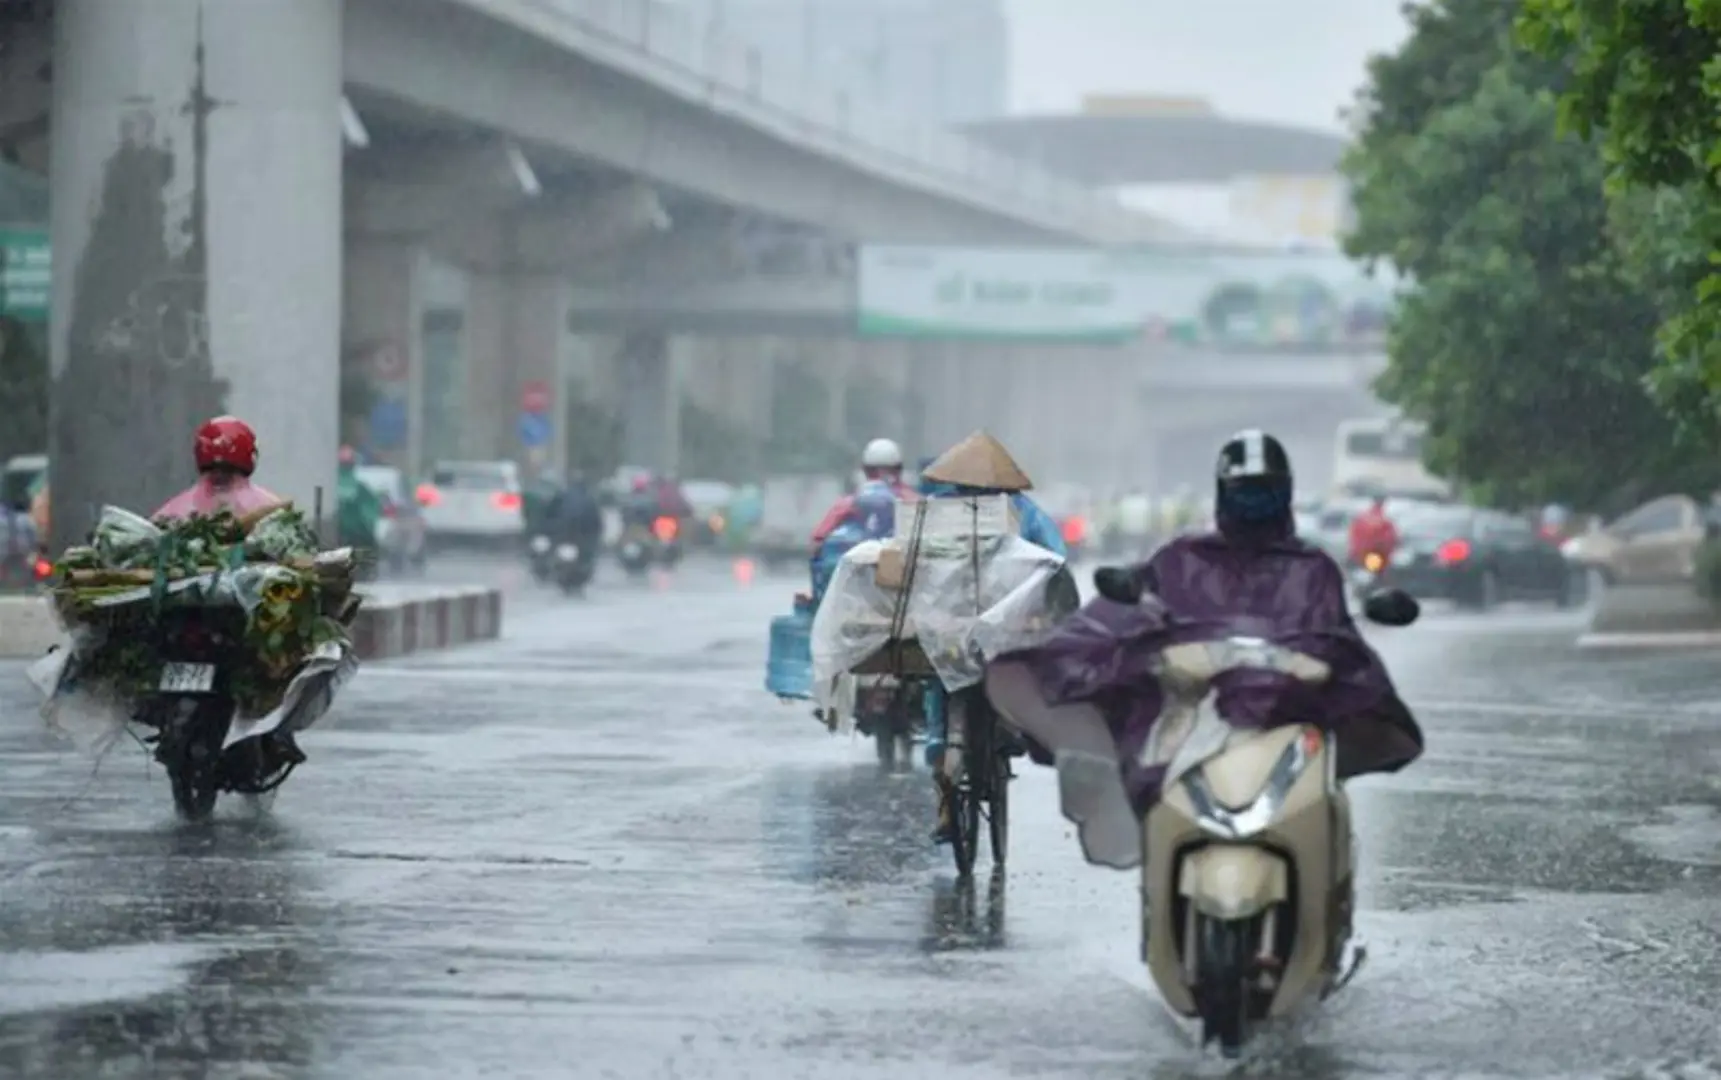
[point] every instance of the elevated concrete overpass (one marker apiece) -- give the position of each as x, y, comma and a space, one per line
641, 89
1114, 151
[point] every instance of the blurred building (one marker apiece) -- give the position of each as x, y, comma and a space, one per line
945, 61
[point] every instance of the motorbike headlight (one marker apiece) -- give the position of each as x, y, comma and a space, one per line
1251, 819
568, 552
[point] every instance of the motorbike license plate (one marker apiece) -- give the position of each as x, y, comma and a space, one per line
568, 552
1403, 557
540, 544
631, 551
187, 678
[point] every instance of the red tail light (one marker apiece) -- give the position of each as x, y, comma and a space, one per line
665, 528
428, 495
1075, 530
44, 569
1452, 552
505, 500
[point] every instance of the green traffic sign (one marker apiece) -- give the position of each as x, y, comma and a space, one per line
26, 273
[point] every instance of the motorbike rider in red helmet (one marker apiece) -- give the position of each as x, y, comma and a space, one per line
226, 454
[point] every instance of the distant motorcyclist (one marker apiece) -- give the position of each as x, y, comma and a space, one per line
19, 544
871, 516
358, 509
575, 517
671, 500
978, 465
540, 496
881, 461
639, 507
225, 449
1372, 533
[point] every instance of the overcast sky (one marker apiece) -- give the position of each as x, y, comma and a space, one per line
1295, 61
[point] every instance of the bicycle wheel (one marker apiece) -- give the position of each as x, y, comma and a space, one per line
998, 808
969, 788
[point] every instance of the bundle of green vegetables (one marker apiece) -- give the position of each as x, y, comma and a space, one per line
260, 578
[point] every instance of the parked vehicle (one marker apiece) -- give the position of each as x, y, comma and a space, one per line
1477, 558
710, 501
401, 539
790, 508
1656, 543
1383, 456
473, 502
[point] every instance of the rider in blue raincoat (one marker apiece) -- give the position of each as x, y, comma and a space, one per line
871, 515
978, 465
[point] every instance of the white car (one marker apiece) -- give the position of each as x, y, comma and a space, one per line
473, 502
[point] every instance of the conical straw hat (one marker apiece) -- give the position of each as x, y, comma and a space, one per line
979, 461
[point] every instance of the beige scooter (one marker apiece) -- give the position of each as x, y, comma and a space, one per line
1247, 859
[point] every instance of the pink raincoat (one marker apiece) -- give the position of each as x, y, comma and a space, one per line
214, 492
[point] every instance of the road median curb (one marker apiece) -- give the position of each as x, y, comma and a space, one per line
1666, 615
393, 622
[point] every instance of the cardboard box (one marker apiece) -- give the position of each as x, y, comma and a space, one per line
941, 525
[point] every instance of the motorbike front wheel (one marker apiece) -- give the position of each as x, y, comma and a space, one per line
1225, 950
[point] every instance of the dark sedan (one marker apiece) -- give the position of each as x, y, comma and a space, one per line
1477, 558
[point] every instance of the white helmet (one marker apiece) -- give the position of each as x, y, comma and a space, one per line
881, 454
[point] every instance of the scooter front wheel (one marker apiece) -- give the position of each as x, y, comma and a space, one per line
1225, 951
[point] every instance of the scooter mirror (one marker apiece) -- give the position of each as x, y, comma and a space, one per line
1391, 607
1117, 585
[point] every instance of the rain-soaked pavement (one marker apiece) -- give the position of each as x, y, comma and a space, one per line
597, 849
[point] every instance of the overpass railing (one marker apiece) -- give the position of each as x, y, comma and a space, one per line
694, 58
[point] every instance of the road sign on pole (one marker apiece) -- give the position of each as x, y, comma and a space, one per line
533, 428
535, 397
388, 362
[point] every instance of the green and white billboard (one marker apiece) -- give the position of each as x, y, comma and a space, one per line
1095, 296
26, 273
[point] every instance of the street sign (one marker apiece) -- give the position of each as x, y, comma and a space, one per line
534, 429
388, 424
26, 273
535, 397
388, 362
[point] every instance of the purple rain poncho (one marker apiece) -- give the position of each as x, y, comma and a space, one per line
1206, 588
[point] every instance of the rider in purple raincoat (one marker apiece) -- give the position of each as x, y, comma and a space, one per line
1252, 577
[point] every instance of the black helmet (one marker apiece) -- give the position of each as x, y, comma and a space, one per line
1253, 481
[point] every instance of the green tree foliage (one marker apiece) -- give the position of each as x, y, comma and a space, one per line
1646, 80
1525, 337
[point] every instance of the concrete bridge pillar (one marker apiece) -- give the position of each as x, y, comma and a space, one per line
518, 337
382, 344
650, 370
197, 240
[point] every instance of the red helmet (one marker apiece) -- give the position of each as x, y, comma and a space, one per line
226, 440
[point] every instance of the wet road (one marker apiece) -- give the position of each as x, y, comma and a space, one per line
597, 849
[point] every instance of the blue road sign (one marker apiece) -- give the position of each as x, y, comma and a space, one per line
388, 424
534, 429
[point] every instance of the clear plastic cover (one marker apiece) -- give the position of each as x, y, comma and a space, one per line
965, 600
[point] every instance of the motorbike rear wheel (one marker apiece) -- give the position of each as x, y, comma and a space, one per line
191, 751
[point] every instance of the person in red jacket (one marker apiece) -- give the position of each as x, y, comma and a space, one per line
880, 461
1372, 533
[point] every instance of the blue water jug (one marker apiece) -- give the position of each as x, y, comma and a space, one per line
789, 668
